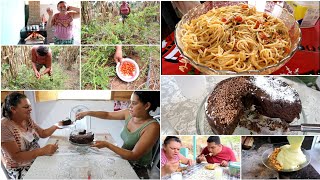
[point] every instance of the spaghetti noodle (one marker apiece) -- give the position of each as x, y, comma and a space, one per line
235, 38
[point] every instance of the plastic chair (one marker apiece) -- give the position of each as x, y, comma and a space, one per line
156, 148
184, 152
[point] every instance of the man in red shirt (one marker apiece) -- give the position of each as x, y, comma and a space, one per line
215, 152
41, 56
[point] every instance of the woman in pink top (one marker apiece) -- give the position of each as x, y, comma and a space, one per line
62, 22
20, 136
171, 157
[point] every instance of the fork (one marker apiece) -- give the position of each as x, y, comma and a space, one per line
89, 174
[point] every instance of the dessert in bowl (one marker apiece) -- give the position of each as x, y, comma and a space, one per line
287, 158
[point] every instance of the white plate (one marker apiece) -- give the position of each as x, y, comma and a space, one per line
124, 78
66, 126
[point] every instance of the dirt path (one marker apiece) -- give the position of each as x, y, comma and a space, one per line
73, 79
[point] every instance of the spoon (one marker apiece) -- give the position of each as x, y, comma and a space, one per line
305, 127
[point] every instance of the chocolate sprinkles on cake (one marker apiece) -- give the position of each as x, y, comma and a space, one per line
270, 97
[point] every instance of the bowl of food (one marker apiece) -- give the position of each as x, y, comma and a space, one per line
234, 38
127, 70
270, 161
211, 166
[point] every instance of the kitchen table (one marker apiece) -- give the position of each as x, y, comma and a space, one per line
199, 171
77, 162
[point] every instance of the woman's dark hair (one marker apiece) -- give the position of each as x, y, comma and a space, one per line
149, 96
171, 138
42, 50
61, 2
12, 99
215, 139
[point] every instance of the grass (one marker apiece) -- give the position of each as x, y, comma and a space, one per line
98, 67
139, 28
26, 79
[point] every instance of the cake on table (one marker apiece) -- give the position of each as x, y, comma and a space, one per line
81, 137
269, 96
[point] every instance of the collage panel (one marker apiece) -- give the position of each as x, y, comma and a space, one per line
280, 157
74, 135
200, 157
120, 22
240, 105
120, 67
84, 96
41, 22
236, 37
40, 67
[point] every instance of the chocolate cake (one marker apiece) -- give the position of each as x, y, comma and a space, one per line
66, 122
230, 98
81, 137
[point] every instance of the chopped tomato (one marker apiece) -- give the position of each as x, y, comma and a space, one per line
257, 25
224, 20
286, 49
238, 18
265, 15
244, 6
263, 36
127, 69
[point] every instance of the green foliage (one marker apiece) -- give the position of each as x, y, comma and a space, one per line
4, 69
98, 67
140, 27
26, 79
94, 71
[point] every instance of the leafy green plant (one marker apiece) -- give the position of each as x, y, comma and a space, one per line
26, 79
141, 27
95, 71
98, 67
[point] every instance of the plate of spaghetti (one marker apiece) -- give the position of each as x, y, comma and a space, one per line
235, 38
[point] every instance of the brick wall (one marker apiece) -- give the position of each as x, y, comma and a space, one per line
34, 13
